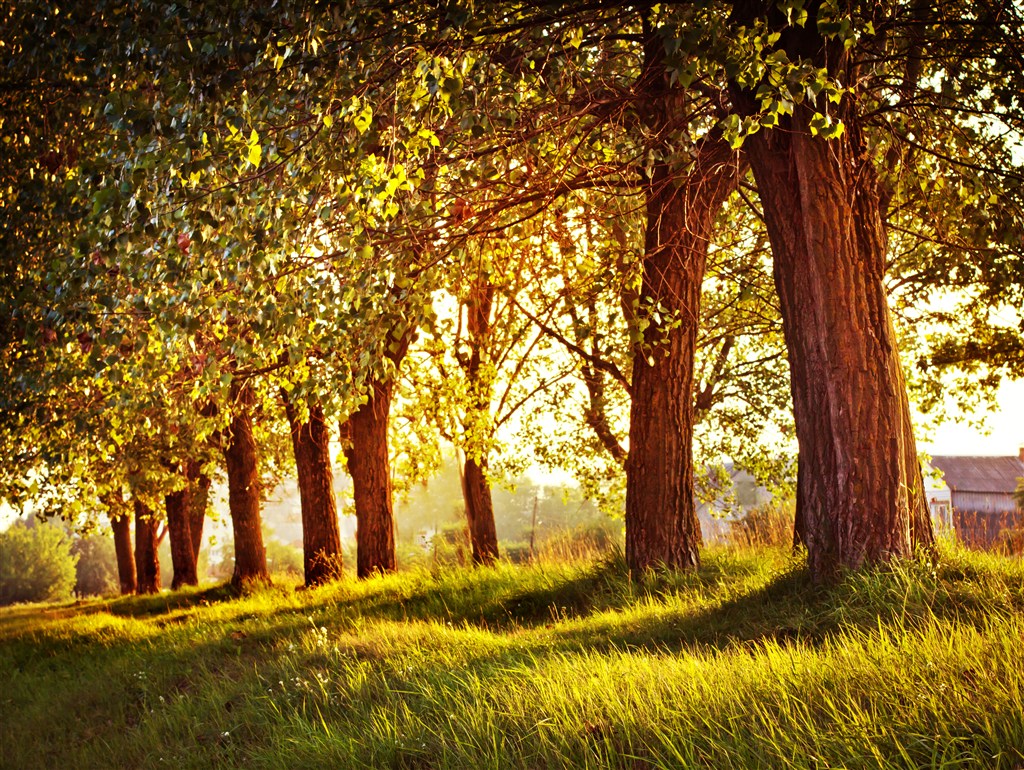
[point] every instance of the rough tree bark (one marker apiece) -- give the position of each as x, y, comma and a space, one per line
244, 491
476, 491
661, 522
178, 506
859, 484
476, 487
321, 540
120, 523
364, 435
147, 561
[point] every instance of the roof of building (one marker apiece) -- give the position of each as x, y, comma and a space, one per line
980, 474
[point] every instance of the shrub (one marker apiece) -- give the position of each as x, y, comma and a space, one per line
36, 564
96, 571
283, 558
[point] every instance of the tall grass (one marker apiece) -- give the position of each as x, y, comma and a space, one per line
742, 663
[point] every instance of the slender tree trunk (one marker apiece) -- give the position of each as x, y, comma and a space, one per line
476, 490
366, 435
596, 415
662, 528
121, 524
321, 540
860, 489
147, 562
200, 485
244, 492
178, 506
476, 487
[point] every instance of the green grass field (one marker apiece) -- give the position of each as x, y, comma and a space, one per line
742, 664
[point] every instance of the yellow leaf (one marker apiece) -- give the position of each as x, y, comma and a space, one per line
255, 150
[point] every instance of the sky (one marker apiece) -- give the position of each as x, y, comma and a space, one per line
1005, 425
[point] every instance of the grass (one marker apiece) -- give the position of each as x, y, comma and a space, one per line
741, 664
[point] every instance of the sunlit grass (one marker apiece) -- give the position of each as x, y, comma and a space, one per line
742, 664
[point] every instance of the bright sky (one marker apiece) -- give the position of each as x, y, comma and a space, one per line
1006, 429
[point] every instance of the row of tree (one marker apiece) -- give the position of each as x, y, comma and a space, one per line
514, 225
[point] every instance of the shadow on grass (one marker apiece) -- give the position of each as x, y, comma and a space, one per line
730, 601
157, 604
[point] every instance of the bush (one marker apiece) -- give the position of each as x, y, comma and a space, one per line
96, 571
36, 564
283, 558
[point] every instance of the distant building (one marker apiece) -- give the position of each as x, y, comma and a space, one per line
729, 505
975, 497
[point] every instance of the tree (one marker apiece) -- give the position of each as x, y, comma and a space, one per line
147, 561
120, 525
241, 459
321, 540
272, 200
178, 508
859, 489
365, 437
38, 564
96, 571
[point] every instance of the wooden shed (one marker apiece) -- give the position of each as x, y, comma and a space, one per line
980, 502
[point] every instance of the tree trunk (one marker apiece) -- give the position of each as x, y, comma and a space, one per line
662, 528
365, 435
121, 524
147, 562
244, 492
178, 505
200, 485
860, 489
476, 491
477, 425
321, 540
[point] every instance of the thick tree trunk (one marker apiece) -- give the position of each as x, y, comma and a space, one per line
661, 522
321, 540
244, 492
121, 524
200, 486
477, 425
476, 490
178, 506
365, 435
860, 488
147, 562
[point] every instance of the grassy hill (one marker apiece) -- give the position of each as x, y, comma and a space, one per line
742, 664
